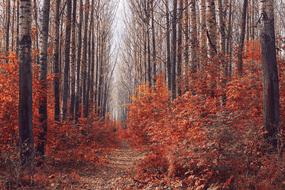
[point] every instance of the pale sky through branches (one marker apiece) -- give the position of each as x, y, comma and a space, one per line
118, 33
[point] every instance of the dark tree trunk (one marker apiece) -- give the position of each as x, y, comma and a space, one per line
17, 30
36, 42
148, 57
92, 78
194, 37
25, 83
242, 37
56, 63
90, 61
212, 28
66, 60
97, 67
168, 47
271, 102
13, 25
8, 22
84, 62
174, 50
78, 86
153, 42
180, 48
73, 61
43, 77
101, 77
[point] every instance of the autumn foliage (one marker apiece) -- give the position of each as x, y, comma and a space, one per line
67, 142
201, 141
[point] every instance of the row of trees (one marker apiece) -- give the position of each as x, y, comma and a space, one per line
68, 40
185, 39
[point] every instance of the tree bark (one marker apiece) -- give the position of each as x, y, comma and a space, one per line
25, 83
79, 50
56, 63
174, 49
90, 59
84, 61
194, 38
43, 77
222, 15
204, 51
212, 28
271, 102
67, 61
73, 61
242, 37
153, 42
180, 48
8, 22
168, 47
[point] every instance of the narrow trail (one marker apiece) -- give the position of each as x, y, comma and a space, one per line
117, 173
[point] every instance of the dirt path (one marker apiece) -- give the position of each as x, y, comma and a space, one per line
115, 174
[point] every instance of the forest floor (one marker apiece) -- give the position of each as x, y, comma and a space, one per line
115, 172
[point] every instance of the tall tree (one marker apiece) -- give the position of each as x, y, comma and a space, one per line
212, 28
168, 46
56, 63
78, 70
271, 104
66, 60
242, 37
90, 59
25, 83
85, 60
73, 60
203, 34
222, 28
194, 37
153, 41
44, 31
8, 22
180, 47
174, 49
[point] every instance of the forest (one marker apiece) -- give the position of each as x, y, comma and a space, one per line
142, 94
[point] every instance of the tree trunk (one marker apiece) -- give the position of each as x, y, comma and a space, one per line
73, 61
43, 76
97, 67
271, 102
13, 24
174, 50
186, 35
36, 42
222, 15
79, 49
66, 60
203, 30
18, 27
180, 48
56, 63
212, 28
242, 37
187, 45
90, 60
168, 47
229, 46
194, 38
25, 83
92, 78
8, 22
84, 61
153, 42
